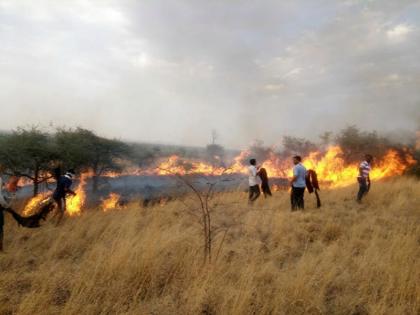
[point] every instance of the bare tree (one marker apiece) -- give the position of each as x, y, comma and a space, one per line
204, 211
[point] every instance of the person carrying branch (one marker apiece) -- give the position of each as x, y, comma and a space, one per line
298, 184
363, 178
63, 189
254, 188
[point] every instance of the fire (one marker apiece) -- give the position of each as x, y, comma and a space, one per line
111, 203
35, 203
332, 169
330, 165
74, 204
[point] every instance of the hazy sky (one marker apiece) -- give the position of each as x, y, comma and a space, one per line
171, 71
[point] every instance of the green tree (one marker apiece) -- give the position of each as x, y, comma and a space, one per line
27, 153
85, 151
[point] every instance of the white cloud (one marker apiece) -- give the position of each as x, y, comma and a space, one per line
399, 32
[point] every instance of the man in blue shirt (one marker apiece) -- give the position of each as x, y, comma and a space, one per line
298, 183
62, 190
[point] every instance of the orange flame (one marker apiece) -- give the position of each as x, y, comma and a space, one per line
111, 203
74, 204
330, 166
34, 203
332, 169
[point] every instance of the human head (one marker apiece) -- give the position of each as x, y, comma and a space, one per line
297, 159
369, 158
253, 162
70, 173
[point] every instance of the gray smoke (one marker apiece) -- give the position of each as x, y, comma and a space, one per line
171, 71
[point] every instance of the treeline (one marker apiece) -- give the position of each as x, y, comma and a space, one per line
35, 154
354, 143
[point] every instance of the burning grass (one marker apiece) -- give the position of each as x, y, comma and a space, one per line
330, 165
342, 259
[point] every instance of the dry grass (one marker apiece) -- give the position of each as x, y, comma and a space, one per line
342, 259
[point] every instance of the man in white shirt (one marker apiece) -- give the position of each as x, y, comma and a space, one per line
254, 181
363, 178
298, 183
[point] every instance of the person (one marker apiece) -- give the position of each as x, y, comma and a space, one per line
298, 183
363, 178
265, 186
1, 227
7, 194
254, 188
63, 189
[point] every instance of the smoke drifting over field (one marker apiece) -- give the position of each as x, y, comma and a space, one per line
172, 72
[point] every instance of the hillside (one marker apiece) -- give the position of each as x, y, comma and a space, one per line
344, 258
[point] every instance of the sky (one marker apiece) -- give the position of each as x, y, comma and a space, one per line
173, 71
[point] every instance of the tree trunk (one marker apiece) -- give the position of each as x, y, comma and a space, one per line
36, 180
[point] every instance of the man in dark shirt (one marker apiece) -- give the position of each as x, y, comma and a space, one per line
62, 190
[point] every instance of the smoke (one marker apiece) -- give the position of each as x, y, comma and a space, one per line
172, 72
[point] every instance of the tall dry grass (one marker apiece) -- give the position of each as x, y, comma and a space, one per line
344, 258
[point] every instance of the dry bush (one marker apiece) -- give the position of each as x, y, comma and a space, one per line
344, 258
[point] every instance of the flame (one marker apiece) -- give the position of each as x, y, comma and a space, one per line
74, 204
34, 203
111, 203
330, 166
332, 169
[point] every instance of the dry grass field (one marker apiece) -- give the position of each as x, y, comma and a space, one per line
344, 258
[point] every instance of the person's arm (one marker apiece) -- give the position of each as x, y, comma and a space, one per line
294, 178
70, 192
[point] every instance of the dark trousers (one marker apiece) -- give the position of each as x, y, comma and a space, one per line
363, 188
61, 204
296, 198
254, 193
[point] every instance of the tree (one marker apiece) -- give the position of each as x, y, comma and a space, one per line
214, 136
86, 151
259, 151
326, 138
215, 154
356, 143
27, 153
301, 146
